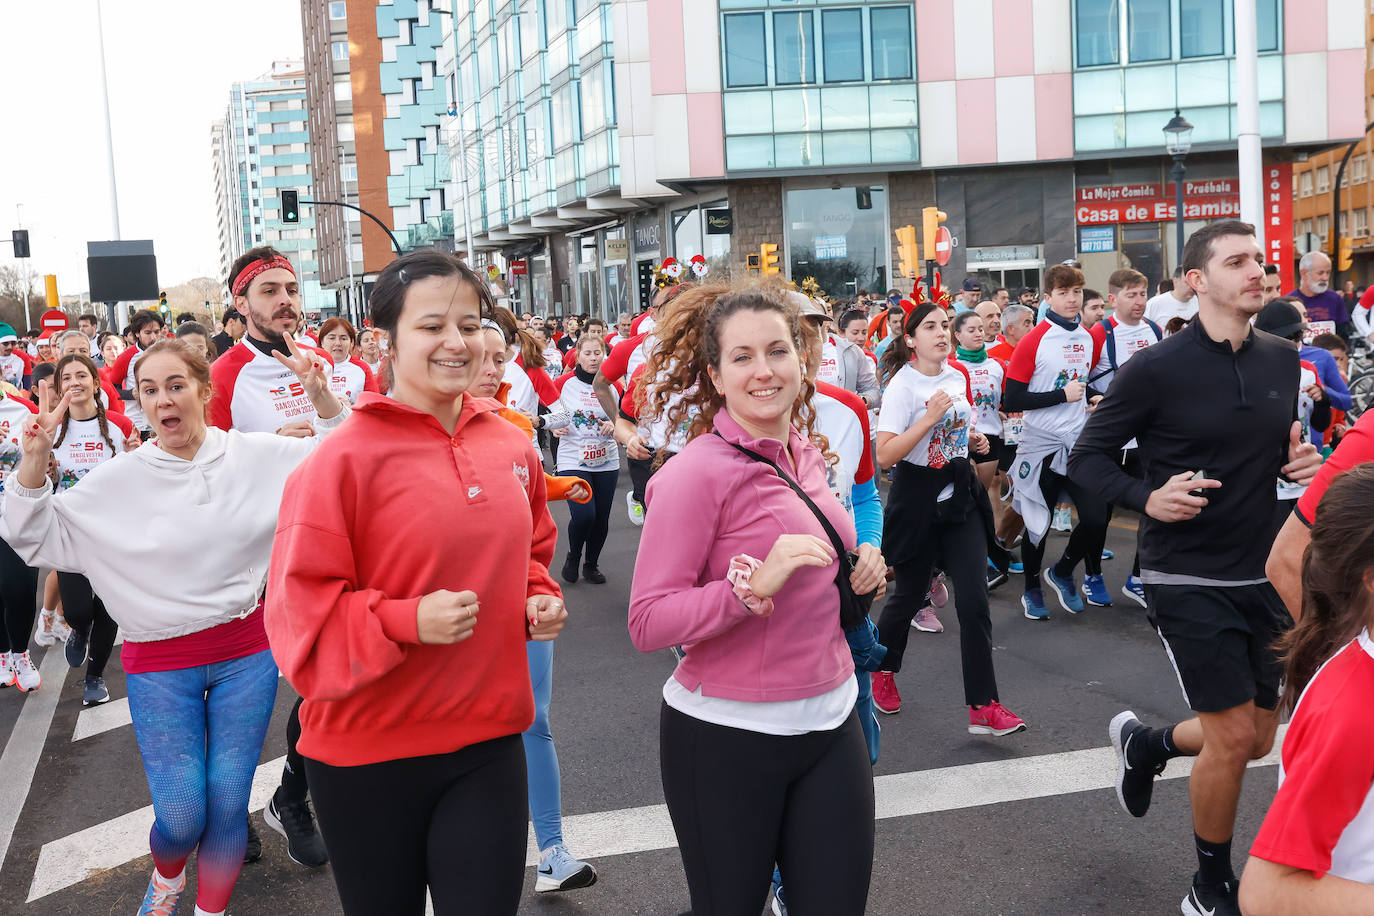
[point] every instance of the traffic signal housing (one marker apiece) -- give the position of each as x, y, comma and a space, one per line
931, 218
290, 206
20, 238
908, 252
162, 302
1344, 257
768, 258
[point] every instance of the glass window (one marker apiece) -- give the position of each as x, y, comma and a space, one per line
745, 51
1200, 28
340, 49
842, 40
1306, 186
794, 52
345, 132
343, 90
1361, 224
338, 10
1268, 11
555, 17
1148, 30
1324, 228
890, 31
1098, 32
831, 239
1323, 179
1359, 166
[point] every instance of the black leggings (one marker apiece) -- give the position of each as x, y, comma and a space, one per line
1091, 529
591, 520
85, 613
456, 823
641, 469
293, 777
19, 593
961, 550
741, 801
1130, 463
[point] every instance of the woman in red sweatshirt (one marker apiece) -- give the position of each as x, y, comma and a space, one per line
403, 631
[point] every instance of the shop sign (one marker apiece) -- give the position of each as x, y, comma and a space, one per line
617, 249
1278, 217
647, 238
1096, 239
1210, 187
1002, 253
830, 246
719, 222
1212, 198
519, 268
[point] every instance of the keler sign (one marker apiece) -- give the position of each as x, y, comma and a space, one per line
1158, 211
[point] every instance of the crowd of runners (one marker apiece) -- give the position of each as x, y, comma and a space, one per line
791, 461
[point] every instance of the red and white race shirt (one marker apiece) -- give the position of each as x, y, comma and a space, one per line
83, 447
255, 393
1129, 340
904, 402
14, 413
1307, 377
584, 447
627, 356
655, 431
12, 369
1047, 359
1322, 819
644, 324
986, 380
829, 369
350, 379
842, 418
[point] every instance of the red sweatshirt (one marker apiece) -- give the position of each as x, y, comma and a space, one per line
388, 509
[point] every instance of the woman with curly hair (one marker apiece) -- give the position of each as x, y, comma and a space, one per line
763, 757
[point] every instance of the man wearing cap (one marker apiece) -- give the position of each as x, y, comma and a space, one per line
969, 295
1029, 297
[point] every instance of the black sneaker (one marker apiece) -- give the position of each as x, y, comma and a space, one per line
1211, 900
570, 569
95, 692
294, 821
593, 575
76, 647
253, 851
1135, 782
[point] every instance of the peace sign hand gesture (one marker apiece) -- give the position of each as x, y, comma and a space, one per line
39, 435
307, 366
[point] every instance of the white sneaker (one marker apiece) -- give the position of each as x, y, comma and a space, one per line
60, 630
635, 510
26, 676
6, 670
44, 637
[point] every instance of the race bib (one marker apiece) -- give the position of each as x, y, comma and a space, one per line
595, 455
1011, 428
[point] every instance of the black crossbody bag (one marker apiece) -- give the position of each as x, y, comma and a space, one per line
854, 607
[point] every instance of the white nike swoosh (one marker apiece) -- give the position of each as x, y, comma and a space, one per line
1126, 752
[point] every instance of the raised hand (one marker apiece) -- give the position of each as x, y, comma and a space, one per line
1304, 460
39, 434
307, 366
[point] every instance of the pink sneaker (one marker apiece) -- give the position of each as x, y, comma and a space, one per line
993, 719
939, 594
886, 699
926, 621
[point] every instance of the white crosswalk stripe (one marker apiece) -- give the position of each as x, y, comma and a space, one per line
72, 859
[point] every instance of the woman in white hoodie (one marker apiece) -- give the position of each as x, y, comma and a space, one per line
200, 677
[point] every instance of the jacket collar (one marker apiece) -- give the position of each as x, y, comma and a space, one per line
383, 406
731, 431
1205, 340
1068, 324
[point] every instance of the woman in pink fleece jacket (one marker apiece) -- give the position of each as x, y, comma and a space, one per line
762, 755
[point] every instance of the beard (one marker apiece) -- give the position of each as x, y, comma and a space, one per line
262, 322
1320, 288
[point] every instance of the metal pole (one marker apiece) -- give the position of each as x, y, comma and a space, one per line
109, 154
1177, 174
1247, 118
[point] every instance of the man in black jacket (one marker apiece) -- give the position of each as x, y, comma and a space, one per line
1213, 408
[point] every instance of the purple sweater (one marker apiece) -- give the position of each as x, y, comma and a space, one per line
707, 505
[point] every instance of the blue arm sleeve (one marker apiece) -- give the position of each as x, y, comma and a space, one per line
1336, 388
868, 512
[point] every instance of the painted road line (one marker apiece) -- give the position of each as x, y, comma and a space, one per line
75, 858
19, 761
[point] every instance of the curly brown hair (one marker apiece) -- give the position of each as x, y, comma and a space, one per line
688, 344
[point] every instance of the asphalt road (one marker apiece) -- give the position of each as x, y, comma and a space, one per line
1017, 825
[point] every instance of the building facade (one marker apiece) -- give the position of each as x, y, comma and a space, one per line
584, 141
260, 147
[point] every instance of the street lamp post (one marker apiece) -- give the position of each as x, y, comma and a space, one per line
1178, 139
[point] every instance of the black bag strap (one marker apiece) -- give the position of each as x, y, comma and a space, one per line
830, 531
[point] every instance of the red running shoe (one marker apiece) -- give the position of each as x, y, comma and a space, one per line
886, 699
992, 719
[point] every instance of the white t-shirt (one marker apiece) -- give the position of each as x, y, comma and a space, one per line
583, 447
83, 447
553, 361
1307, 377
1164, 306
987, 380
843, 427
347, 380
829, 370
904, 403
12, 370
522, 394
1128, 341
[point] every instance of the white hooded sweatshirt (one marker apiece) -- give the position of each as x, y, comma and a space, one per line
171, 546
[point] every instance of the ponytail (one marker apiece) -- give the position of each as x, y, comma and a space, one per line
898, 354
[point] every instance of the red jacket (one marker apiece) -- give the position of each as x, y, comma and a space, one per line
355, 551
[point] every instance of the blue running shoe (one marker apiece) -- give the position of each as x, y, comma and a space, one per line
1016, 568
1107, 554
1066, 590
1096, 590
560, 871
1135, 590
1033, 601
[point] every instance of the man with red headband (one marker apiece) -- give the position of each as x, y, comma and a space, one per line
254, 392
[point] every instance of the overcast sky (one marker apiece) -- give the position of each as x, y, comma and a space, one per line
170, 65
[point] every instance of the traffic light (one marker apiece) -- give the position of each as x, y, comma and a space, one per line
290, 207
768, 257
162, 302
931, 218
908, 253
1344, 257
21, 242
751, 261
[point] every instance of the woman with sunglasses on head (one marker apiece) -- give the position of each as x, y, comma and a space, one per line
400, 609
200, 678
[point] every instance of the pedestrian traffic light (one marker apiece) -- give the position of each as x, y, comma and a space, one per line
908, 253
21, 242
290, 207
931, 218
1344, 257
768, 257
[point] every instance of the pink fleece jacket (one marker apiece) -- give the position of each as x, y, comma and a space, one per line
706, 505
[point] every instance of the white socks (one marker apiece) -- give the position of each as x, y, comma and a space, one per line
200, 912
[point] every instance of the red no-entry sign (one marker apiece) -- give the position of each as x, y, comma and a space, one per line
944, 243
